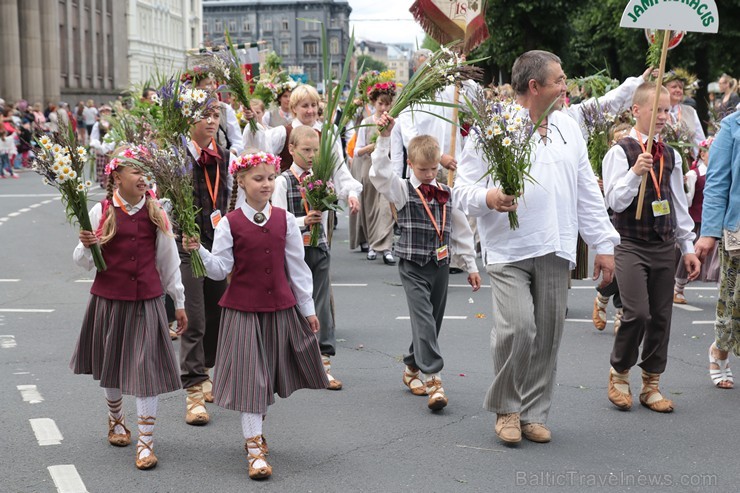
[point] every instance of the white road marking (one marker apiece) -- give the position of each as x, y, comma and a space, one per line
26, 195
466, 286
13, 214
25, 209
446, 317
22, 373
67, 479
703, 322
349, 285
46, 431
7, 342
688, 308
47, 202
26, 310
3, 219
84, 280
9, 280
33, 206
30, 394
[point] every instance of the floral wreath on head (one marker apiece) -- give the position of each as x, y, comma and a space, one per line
380, 88
246, 161
281, 87
706, 143
131, 156
689, 80
196, 74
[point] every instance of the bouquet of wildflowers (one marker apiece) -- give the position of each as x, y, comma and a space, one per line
319, 196
597, 123
172, 171
61, 162
678, 136
182, 106
503, 133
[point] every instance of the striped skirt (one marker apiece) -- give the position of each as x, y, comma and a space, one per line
261, 354
126, 345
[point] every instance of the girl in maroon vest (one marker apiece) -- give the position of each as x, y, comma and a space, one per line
124, 342
267, 342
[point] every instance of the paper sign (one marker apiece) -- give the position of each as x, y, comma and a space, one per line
678, 15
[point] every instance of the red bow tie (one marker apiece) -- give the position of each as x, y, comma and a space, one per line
431, 192
209, 156
657, 151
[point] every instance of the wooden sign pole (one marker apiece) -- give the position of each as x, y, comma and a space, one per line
455, 131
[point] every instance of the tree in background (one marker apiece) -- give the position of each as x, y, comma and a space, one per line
370, 63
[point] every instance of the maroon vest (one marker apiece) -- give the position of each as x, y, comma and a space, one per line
131, 259
649, 227
258, 282
696, 205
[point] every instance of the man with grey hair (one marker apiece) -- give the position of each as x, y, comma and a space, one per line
529, 266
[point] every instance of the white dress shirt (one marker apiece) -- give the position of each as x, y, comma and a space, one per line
220, 260
167, 258
563, 200
100, 147
233, 130
615, 101
621, 186
394, 188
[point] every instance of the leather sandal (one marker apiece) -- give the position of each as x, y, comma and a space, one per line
598, 316
334, 383
618, 390
150, 460
679, 298
437, 398
263, 472
207, 386
413, 382
195, 400
118, 439
650, 396
721, 374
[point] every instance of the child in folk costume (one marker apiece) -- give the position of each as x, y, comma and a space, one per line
431, 230
645, 259
124, 342
372, 228
267, 342
303, 147
211, 188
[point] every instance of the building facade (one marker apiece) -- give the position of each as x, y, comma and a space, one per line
288, 27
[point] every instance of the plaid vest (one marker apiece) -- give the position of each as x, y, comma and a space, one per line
419, 240
202, 199
649, 228
295, 206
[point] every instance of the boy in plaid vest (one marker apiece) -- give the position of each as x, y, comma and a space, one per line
645, 260
431, 230
303, 145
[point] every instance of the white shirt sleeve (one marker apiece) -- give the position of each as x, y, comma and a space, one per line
266, 119
614, 101
691, 179
233, 130
168, 266
82, 255
462, 242
220, 260
472, 182
346, 186
684, 224
382, 176
299, 275
621, 184
397, 151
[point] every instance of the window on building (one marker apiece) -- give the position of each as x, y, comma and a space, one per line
310, 25
232, 26
334, 46
218, 26
284, 48
246, 27
334, 22
310, 48
285, 26
267, 25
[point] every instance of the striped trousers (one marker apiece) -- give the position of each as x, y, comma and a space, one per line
529, 302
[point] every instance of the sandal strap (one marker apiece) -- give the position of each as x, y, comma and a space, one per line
147, 420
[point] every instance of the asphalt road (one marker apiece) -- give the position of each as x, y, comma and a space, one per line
372, 436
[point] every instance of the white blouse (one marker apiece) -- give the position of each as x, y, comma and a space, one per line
167, 257
219, 262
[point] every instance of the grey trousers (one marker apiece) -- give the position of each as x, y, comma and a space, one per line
319, 261
199, 342
426, 295
529, 302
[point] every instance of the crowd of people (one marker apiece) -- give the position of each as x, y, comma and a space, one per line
262, 321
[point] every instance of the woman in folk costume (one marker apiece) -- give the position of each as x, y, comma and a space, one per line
124, 342
267, 343
372, 228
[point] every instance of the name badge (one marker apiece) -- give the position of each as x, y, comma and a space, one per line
307, 238
661, 208
441, 253
215, 218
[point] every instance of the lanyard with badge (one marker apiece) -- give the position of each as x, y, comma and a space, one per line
441, 252
660, 207
216, 214
307, 233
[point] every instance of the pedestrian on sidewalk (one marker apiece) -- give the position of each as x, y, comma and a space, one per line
267, 338
124, 341
7, 153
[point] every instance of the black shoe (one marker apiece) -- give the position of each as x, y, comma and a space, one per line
371, 255
455, 270
388, 258
364, 248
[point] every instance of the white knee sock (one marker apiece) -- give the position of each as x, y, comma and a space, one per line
146, 408
252, 427
114, 399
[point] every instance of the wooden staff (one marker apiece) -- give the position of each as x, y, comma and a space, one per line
653, 118
453, 137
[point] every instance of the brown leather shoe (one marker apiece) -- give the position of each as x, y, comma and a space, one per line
508, 428
413, 382
196, 413
618, 397
598, 316
334, 383
118, 439
536, 432
437, 398
650, 396
257, 443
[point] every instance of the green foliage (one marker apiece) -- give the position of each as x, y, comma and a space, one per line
371, 63
429, 43
273, 63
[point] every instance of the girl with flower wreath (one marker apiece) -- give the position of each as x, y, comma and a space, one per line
280, 114
267, 343
372, 228
124, 342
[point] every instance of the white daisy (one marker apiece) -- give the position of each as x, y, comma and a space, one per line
56, 148
497, 131
81, 152
506, 142
80, 187
46, 142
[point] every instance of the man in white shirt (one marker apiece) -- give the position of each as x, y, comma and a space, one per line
529, 266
